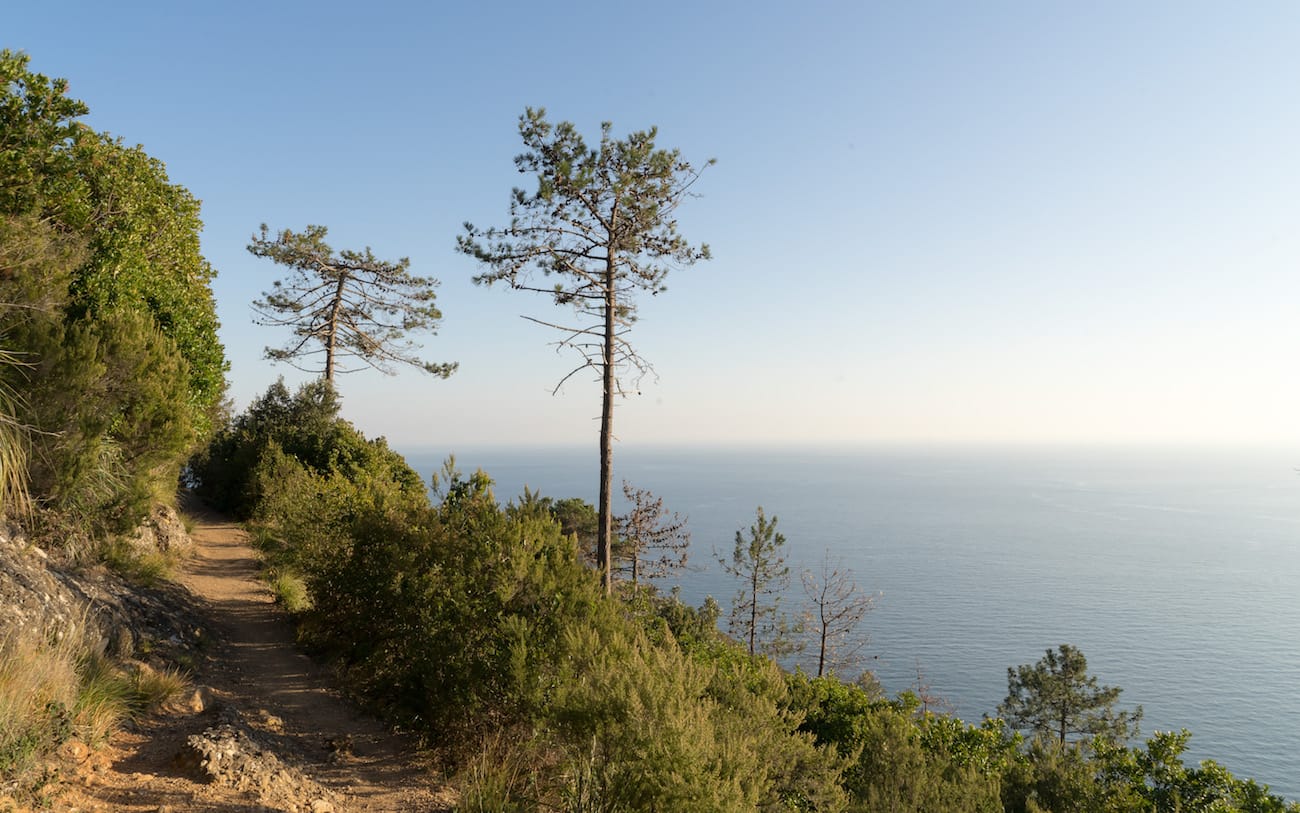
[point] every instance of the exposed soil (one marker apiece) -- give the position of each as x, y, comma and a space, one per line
263, 731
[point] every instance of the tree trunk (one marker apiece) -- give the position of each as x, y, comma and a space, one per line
821, 654
603, 543
753, 608
331, 338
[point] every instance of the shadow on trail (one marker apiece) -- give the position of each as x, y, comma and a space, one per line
257, 668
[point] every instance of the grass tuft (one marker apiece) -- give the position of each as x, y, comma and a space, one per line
152, 689
290, 591
103, 700
38, 690
147, 568
56, 688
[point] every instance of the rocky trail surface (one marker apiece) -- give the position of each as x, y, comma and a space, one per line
263, 730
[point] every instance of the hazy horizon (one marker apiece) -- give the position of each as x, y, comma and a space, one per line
931, 223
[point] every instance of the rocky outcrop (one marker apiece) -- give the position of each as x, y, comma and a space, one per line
45, 595
162, 531
234, 755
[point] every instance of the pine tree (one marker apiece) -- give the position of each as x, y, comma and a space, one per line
756, 610
653, 542
344, 305
1057, 697
602, 224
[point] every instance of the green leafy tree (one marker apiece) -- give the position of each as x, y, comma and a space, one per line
1155, 774
601, 224
345, 305
898, 761
37, 130
144, 256
107, 305
576, 516
758, 563
1057, 697
304, 425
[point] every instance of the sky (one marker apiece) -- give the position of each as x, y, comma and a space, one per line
1003, 222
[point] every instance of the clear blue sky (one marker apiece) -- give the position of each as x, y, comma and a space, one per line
938, 222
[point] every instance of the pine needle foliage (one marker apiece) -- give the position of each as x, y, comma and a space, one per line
346, 305
757, 561
1056, 696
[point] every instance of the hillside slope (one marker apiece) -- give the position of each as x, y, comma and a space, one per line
262, 730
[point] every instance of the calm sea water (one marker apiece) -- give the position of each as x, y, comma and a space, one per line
1177, 573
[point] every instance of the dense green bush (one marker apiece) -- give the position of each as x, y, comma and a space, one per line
105, 301
231, 473
902, 760
456, 616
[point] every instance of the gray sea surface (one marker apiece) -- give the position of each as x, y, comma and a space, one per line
1175, 571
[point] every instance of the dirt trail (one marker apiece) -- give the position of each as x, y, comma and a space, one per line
256, 673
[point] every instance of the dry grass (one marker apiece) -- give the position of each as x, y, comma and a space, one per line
39, 688
152, 689
14, 500
56, 688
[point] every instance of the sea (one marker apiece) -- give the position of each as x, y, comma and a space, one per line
1175, 571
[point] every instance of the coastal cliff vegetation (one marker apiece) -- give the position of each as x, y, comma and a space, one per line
485, 627
481, 625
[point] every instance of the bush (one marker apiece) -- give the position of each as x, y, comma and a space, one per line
105, 299
233, 472
902, 761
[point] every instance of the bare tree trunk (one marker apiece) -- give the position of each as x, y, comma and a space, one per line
604, 548
821, 654
753, 608
332, 338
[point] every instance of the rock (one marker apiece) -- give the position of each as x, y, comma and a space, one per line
122, 642
235, 755
321, 806
48, 593
74, 751
270, 722
199, 701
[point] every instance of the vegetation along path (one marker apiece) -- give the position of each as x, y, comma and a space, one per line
300, 746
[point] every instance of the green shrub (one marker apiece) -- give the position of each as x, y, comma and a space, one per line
108, 400
305, 427
106, 300
902, 761
454, 616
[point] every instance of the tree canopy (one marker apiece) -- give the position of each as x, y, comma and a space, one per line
344, 305
651, 541
758, 563
1057, 697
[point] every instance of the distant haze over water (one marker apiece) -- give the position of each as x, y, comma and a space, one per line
1177, 572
